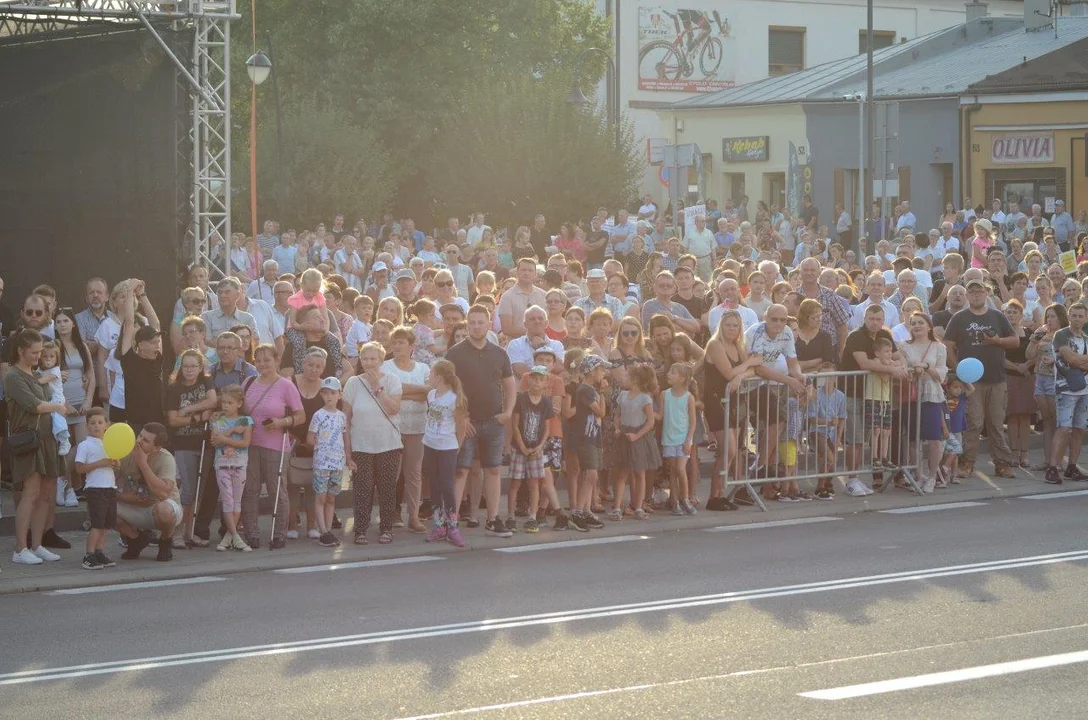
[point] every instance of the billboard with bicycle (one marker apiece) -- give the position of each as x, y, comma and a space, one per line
685, 50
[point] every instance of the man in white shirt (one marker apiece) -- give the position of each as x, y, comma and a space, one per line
475, 231
619, 237
1036, 220
729, 292
997, 217
647, 210
700, 243
262, 287
907, 219
874, 290
520, 350
1012, 218
969, 210
268, 327
348, 263
842, 226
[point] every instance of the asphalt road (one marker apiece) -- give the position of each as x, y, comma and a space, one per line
964, 612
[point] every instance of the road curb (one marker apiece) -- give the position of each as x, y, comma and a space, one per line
150, 571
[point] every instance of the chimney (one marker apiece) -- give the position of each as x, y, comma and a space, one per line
976, 10
1037, 14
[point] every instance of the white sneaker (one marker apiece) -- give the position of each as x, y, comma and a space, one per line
25, 557
856, 488
65, 447
292, 534
313, 534
929, 485
70, 499
61, 486
46, 555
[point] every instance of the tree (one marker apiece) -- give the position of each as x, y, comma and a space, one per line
330, 166
406, 69
532, 152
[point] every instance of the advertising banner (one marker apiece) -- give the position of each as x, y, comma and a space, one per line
746, 149
685, 50
793, 183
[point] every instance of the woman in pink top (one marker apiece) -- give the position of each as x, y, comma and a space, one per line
275, 405
981, 243
311, 285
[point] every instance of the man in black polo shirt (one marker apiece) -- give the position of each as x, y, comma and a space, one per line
540, 238
488, 382
858, 354
140, 352
697, 305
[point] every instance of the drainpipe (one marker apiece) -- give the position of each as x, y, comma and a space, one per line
965, 121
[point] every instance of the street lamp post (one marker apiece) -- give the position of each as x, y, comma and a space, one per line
258, 67
281, 199
577, 97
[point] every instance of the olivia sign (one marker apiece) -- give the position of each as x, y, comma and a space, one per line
1022, 148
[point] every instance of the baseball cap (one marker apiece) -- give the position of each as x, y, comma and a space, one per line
146, 333
976, 283
1059, 201
595, 273
330, 383
539, 370
591, 363
450, 306
404, 275
545, 350
379, 266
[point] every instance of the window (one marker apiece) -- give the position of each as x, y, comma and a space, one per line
785, 50
881, 39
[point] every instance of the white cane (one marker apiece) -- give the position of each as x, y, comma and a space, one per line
279, 482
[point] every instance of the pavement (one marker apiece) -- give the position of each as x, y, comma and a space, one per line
967, 611
67, 573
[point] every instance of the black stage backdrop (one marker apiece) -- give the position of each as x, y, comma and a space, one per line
88, 175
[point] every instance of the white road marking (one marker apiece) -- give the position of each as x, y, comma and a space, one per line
951, 676
931, 508
1055, 495
772, 523
137, 585
553, 618
572, 543
724, 676
356, 565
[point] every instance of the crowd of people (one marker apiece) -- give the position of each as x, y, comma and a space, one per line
594, 357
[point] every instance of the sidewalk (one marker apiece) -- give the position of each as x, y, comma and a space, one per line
67, 573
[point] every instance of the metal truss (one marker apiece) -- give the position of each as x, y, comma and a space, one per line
203, 74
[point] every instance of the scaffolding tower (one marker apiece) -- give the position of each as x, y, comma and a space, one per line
203, 70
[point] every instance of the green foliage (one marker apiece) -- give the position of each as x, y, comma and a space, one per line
332, 166
532, 152
408, 71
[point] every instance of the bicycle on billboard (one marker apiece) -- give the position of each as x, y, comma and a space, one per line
695, 41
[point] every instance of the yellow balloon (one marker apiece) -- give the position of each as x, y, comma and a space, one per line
119, 441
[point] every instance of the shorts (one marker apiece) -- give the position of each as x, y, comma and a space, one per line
553, 454
486, 445
101, 508
855, 422
1072, 411
526, 468
768, 405
954, 443
588, 455
673, 451
1044, 386
787, 453
327, 482
143, 518
878, 414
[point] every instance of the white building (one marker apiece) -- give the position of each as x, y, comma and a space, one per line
671, 50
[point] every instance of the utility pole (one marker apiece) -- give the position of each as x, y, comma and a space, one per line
869, 125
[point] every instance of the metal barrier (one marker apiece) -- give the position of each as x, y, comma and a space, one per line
846, 423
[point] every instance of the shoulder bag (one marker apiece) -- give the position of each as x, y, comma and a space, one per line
1074, 377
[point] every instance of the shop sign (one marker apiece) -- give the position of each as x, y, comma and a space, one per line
746, 149
1022, 148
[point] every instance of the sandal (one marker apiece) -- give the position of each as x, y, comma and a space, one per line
385, 538
360, 539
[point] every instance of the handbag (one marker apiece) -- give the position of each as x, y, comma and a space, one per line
23, 443
300, 470
1074, 377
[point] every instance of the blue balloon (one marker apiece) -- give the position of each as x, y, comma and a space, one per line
969, 370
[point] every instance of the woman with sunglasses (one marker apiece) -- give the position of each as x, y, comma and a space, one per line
446, 291
628, 351
192, 302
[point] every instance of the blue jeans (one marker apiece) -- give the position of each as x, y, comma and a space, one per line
486, 445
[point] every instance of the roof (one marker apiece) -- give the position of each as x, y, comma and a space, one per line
942, 64
1063, 69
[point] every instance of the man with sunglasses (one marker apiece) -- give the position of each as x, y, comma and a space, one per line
35, 316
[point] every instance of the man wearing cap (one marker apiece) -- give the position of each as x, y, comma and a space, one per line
519, 298
1064, 227
520, 350
139, 351
405, 286
983, 333
379, 287
596, 284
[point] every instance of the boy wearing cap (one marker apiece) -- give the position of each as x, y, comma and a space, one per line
584, 443
531, 429
328, 436
553, 447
